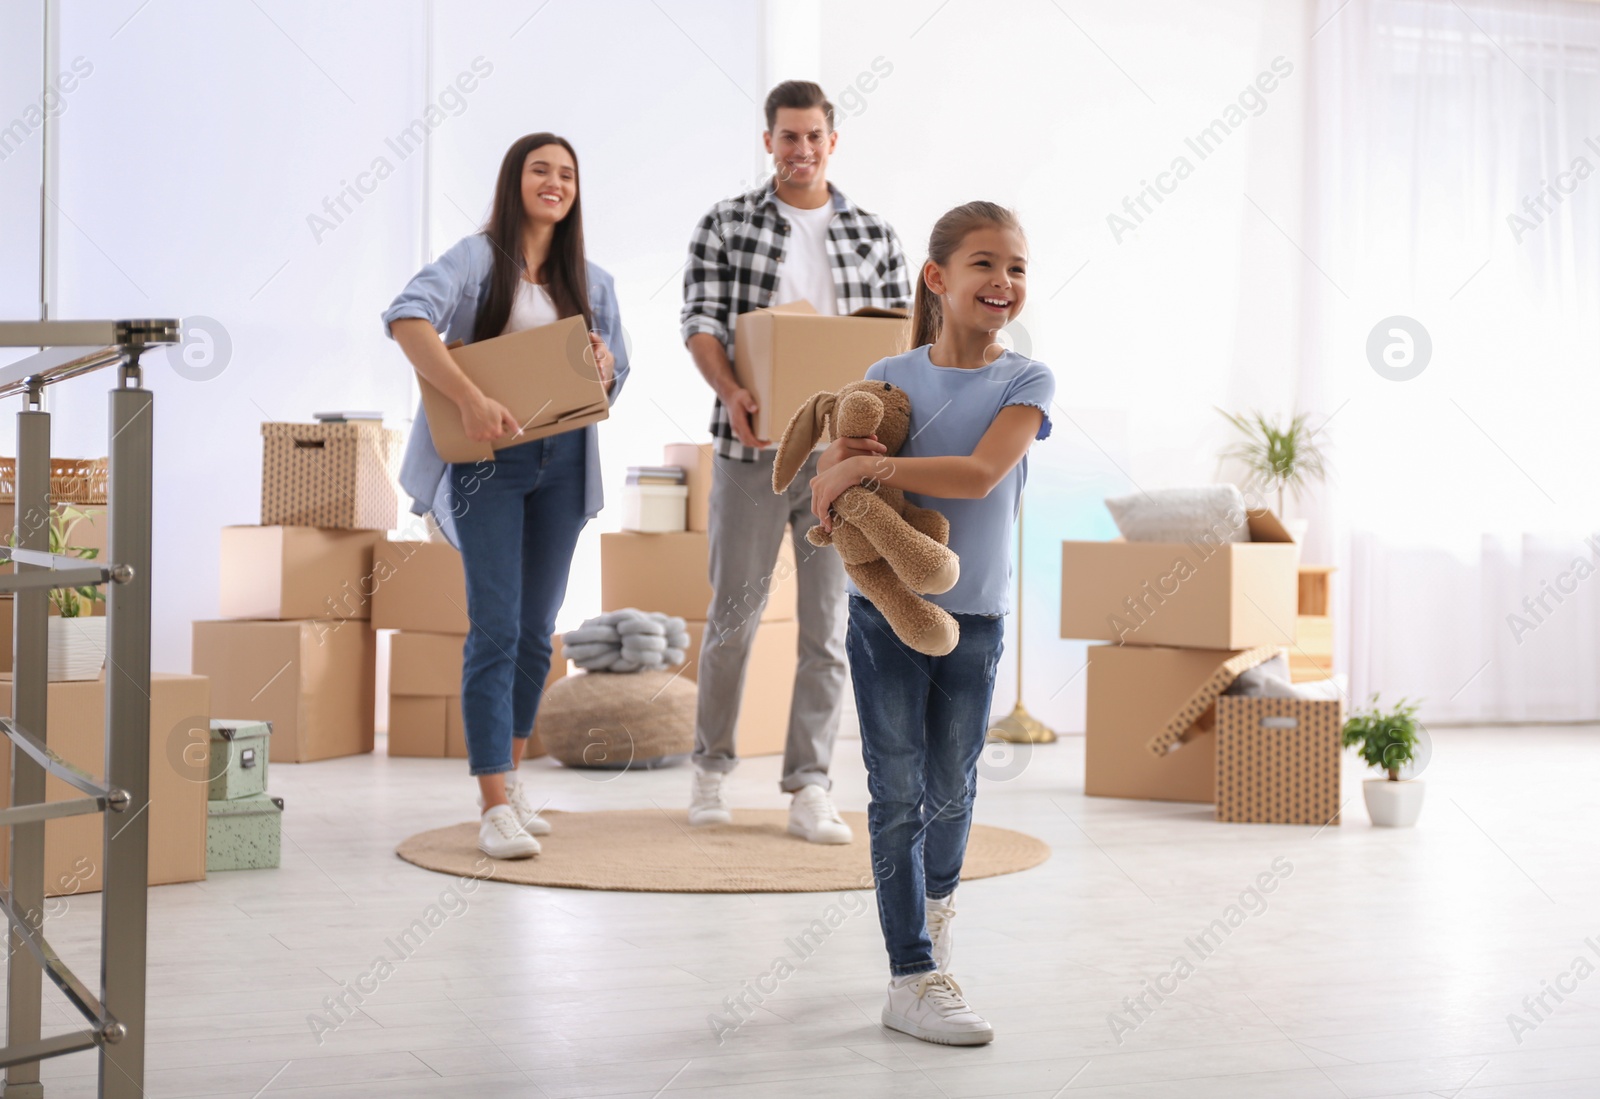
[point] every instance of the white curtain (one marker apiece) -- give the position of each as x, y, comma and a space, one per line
1454, 182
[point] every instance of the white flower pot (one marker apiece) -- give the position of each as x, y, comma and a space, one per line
1393, 804
77, 648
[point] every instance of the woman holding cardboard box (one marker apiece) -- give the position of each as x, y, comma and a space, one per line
516, 519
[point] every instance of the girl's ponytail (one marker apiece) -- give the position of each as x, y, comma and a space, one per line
949, 231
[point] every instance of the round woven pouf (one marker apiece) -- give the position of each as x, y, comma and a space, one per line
618, 721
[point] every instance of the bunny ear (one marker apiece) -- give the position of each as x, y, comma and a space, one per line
804, 429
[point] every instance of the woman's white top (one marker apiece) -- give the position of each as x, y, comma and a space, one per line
532, 307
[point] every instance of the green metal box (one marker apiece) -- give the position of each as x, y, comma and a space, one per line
238, 758
243, 833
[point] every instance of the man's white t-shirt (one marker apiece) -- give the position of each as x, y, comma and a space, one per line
807, 271
531, 308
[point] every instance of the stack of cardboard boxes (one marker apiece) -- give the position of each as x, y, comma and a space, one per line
76, 725
670, 573
293, 647
420, 591
1184, 620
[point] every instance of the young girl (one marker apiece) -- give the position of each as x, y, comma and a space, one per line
975, 410
516, 520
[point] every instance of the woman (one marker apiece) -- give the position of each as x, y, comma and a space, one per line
516, 520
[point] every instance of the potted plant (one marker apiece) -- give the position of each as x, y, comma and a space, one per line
1278, 457
1388, 741
77, 639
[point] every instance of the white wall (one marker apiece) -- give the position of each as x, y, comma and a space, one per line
1061, 117
207, 134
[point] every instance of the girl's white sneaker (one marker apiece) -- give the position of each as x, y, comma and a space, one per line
501, 837
933, 1009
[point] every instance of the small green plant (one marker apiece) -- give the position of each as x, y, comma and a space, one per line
68, 602
1387, 738
1277, 457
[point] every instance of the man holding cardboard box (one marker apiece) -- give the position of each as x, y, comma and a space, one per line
795, 240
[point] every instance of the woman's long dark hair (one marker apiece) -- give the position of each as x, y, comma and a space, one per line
565, 273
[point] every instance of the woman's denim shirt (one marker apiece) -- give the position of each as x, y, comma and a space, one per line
446, 293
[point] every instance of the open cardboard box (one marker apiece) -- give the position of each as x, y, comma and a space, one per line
1196, 594
1145, 700
785, 354
545, 375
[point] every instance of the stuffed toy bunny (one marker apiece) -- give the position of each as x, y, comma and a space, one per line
895, 551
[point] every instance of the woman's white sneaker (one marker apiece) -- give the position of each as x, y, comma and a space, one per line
813, 817
522, 805
933, 1009
940, 915
707, 803
501, 837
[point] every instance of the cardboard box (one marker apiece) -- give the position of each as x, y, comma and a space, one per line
1141, 695
419, 586
335, 475
314, 680
425, 696
699, 462
7, 628
546, 376
763, 728
1278, 760
785, 354
417, 724
296, 572
180, 735
671, 573
425, 664
1231, 595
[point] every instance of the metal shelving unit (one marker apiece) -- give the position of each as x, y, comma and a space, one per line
116, 1016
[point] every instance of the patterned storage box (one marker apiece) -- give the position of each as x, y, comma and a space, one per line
238, 758
331, 475
243, 833
1278, 760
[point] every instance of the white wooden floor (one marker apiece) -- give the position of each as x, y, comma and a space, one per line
1385, 963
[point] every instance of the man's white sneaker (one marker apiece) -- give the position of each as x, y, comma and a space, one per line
707, 804
522, 805
501, 837
940, 913
933, 1009
813, 817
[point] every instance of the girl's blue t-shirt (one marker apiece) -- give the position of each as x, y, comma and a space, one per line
951, 409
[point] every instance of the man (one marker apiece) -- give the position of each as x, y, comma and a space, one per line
795, 237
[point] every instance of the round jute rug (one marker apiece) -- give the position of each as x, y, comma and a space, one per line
655, 851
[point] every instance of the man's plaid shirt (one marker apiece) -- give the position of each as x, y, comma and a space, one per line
733, 268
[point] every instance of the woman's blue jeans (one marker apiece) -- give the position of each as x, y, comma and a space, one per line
924, 720
517, 519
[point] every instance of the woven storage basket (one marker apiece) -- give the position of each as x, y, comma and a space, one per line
72, 480
638, 720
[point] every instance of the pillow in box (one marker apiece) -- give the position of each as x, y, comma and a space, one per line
1212, 512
